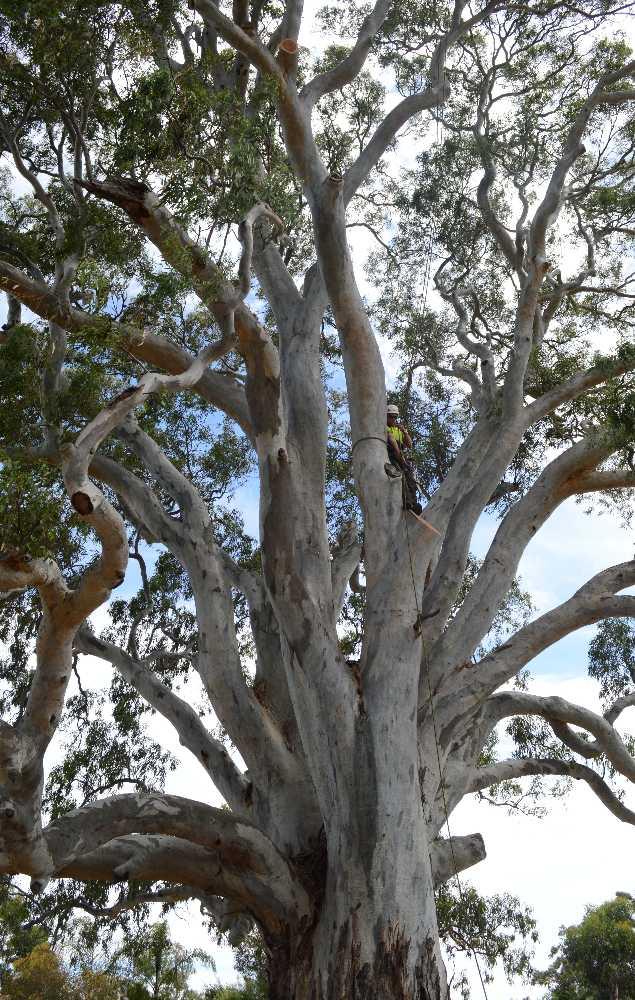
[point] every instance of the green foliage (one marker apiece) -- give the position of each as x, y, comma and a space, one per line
35, 516
225, 993
102, 756
347, 119
159, 968
514, 612
612, 658
595, 960
18, 629
498, 929
38, 976
97, 986
251, 964
17, 938
149, 966
248, 991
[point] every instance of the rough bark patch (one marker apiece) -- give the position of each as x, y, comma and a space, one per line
353, 666
390, 977
311, 866
125, 394
263, 393
123, 191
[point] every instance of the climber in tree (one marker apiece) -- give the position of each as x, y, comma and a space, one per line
398, 439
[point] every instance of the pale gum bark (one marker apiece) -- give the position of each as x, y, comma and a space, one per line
353, 915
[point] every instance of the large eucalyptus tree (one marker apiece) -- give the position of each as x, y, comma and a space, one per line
180, 184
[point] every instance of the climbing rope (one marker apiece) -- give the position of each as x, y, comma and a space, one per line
461, 892
370, 437
431, 236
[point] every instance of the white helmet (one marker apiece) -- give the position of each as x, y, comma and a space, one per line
392, 409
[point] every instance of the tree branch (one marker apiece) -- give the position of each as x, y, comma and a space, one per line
350, 67
193, 735
220, 390
567, 475
547, 212
223, 299
386, 132
436, 92
593, 602
131, 836
449, 857
346, 557
250, 727
18, 572
511, 770
141, 857
22, 747
575, 386
508, 703
246, 234
537, 267
618, 706
235, 36
500, 234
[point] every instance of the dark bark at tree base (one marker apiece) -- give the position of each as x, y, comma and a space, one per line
391, 975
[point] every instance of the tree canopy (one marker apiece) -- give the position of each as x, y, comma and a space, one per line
596, 958
195, 325
41, 976
86, 964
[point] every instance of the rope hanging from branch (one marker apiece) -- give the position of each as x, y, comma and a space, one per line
427, 266
438, 753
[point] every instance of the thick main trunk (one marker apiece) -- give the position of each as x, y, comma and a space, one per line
356, 952
375, 936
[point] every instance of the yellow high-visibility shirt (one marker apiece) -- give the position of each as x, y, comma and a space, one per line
397, 434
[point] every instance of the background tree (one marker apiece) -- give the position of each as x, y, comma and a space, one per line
18, 937
40, 975
86, 966
251, 964
160, 968
184, 312
497, 929
596, 958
